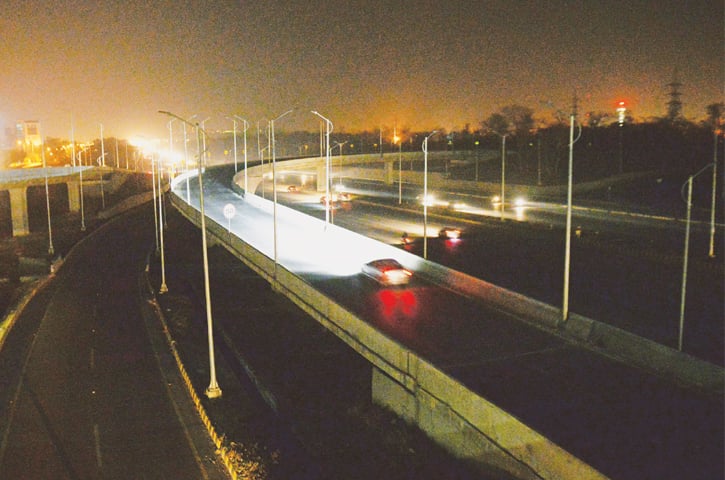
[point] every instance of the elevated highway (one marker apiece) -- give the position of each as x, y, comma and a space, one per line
67, 181
535, 401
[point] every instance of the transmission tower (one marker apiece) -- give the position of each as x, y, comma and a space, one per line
674, 106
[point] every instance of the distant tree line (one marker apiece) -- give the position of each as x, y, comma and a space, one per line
604, 145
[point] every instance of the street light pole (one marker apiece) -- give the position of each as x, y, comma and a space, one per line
51, 250
274, 187
80, 170
153, 189
213, 390
686, 253
711, 252
83, 212
328, 200
101, 165
163, 288
339, 178
234, 122
503, 173
400, 171
567, 249
186, 161
425, 194
246, 127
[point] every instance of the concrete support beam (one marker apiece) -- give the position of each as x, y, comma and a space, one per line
19, 211
390, 173
74, 196
321, 176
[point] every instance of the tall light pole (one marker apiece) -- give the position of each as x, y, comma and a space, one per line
246, 127
711, 252
80, 170
686, 254
503, 173
83, 212
274, 187
213, 390
399, 141
567, 249
234, 123
186, 161
425, 194
118, 165
101, 165
156, 218
339, 178
51, 250
204, 142
163, 288
328, 131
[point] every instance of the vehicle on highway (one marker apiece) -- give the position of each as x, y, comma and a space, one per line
450, 233
517, 202
387, 271
336, 198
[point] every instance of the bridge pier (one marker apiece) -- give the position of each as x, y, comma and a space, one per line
390, 173
74, 196
19, 211
321, 177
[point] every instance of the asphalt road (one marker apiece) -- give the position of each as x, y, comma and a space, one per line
626, 270
87, 389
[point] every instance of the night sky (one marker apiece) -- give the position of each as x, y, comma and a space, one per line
362, 64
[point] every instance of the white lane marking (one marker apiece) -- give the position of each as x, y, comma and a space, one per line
97, 439
93, 358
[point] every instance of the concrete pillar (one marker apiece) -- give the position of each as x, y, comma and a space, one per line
390, 173
19, 211
321, 176
74, 196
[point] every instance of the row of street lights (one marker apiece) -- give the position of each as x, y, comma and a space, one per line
213, 390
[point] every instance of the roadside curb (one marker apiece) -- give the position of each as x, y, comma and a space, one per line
7, 323
229, 457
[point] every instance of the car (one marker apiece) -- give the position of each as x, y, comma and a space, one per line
450, 233
323, 199
336, 198
387, 271
517, 202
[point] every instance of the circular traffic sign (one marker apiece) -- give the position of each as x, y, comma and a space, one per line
229, 211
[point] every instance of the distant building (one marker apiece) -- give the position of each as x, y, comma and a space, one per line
28, 133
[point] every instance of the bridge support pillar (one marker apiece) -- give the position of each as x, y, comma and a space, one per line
321, 176
74, 196
390, 176
19, 211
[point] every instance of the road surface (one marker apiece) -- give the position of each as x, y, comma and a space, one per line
87, 388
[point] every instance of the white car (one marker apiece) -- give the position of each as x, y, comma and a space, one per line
387, 271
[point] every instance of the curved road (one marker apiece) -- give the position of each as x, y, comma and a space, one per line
624, 422
85, 392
